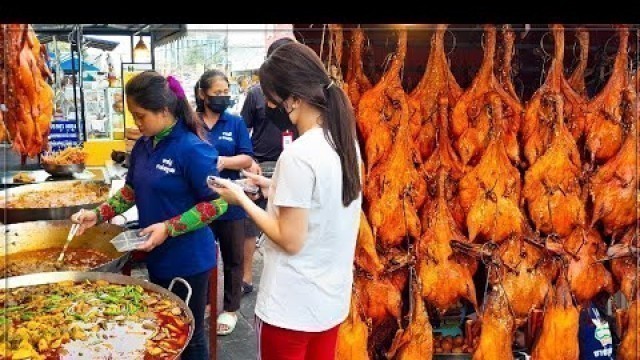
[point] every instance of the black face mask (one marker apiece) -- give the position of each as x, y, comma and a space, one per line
218, 104
279, 117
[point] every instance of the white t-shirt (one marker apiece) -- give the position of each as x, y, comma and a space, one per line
310, 291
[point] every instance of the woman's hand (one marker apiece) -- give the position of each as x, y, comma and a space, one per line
159, 233
231, 192
221, 163
254, 168
86, 219
259, 180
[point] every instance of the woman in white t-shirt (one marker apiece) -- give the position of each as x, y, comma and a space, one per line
313, 210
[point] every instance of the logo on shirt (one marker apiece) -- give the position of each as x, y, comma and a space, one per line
226, 135
166, 166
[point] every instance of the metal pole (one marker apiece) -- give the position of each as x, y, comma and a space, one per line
79, 42
152, 50
132, 59
73, 84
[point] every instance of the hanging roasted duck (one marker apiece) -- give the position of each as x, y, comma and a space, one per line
552, 184
539, 119
614, 186
29, 98
357, 83
415, 342
559, 335
498, 327
470, 117
490, 193
446, 276
624, 265
577, 78
353, 335
380, 109
444, 157
630, 344
335, 53
605, 125
366, 257
436, 83
395, 190
504, 66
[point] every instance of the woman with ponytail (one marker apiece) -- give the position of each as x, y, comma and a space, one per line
166, 180
313, 210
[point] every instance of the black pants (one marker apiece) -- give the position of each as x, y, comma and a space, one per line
230, 235
198, 347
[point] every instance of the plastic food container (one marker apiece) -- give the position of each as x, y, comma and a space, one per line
129, 240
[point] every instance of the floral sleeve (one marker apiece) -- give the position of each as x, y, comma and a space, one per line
120, 202
196, 217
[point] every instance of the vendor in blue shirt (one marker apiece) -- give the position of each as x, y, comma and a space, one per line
166, 180
229, 135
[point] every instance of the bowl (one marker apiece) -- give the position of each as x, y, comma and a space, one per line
63, 170
129, 240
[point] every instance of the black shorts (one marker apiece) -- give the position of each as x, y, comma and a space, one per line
250, 228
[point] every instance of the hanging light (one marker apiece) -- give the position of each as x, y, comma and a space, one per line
141, 53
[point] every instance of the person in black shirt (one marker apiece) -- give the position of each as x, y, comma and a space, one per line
267, 142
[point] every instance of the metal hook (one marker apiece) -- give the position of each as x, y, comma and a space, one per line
454, 40
542, 44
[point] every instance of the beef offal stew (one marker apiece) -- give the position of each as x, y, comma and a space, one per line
90, 320
30, 262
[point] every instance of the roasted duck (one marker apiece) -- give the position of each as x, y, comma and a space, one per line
416, 341
498, 327
551, 185
353, 336
539, 119
445, 276
380, 109
587, 277
503, 70
356, 81
559, 336
381, 301
630, 345
614, 186
436, 84
625, 263
470, 118
366, 257
576, 80
605, 133
395, 190
490, 193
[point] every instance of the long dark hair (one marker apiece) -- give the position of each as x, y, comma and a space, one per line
295, 70
151, 91
204, 83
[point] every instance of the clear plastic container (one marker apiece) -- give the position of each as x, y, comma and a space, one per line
129, 240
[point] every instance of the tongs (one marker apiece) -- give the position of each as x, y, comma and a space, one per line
72, 233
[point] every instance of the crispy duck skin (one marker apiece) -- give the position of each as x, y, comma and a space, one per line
395, 190
380, 109
605, 133
498, 327
468, 125
504, 69
539, 119
436, 83
356, 80
559, 336
630, 344
353, 336
625, 268
587, 277
416, 341
379, 298
551, 185
490, 193
576, 80
446, 277
366, 257
614, 186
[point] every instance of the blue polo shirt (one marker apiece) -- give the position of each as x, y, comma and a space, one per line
230, 137
168, 181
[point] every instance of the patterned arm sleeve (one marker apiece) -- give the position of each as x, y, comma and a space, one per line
196, 217
120, 202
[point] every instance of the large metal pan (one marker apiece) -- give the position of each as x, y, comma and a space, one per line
31, 214
77, 276
40, 235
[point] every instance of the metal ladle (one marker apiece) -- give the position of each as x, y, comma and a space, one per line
72, 233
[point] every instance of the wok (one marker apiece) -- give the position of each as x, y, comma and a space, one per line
78, 276
31, 214
40, 235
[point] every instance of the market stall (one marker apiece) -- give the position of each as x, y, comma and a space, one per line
500, 186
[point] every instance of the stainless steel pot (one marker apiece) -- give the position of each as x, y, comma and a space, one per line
77, 276
40, 235
17, 215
